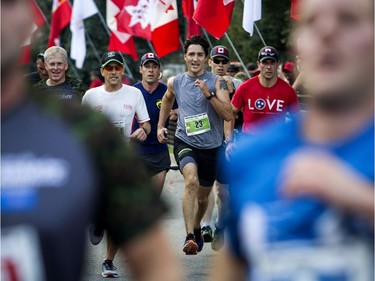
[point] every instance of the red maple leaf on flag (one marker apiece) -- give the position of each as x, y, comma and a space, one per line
135, 18
154, 20
119, 41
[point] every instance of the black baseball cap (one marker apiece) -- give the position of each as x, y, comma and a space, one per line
112, 57
268, 52
150, 57
220, 51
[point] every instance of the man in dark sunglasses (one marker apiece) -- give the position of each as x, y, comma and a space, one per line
219, 62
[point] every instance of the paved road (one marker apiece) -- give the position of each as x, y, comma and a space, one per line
196, 267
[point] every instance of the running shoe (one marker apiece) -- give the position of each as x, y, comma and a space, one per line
199, 238
207, 233
96, 234
218, 239
109, 270
190, 247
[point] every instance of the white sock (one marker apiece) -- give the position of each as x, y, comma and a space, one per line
205, 223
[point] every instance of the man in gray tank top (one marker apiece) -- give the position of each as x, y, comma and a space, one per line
203, 102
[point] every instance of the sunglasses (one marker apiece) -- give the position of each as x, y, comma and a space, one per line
217, 61
111, 67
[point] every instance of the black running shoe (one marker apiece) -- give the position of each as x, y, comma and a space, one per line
207, 233
109, 270
199, 238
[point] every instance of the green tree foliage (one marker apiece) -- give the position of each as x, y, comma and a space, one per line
274, 26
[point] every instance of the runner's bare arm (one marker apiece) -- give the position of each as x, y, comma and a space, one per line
140, 134
220, 101
166, 107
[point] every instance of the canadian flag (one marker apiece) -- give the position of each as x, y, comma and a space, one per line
214, 16
119, 41
154, 20
252, 11
61, 15
38, 20
188, 8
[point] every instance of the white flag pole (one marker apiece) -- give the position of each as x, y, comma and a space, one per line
260, 35
207, 37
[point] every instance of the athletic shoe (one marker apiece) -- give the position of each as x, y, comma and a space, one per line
190, 247
218, 240
108, 269
207, 233
199, 238
95, 234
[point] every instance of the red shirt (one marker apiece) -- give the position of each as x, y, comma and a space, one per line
96, 83
260, 104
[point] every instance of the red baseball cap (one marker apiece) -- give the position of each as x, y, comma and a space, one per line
289, 66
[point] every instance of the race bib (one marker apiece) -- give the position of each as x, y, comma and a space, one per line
120, 125
197, 124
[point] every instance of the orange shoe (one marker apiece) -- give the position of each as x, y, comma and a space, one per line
190, 247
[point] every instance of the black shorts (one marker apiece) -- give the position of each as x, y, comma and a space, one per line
156, 163
205, 159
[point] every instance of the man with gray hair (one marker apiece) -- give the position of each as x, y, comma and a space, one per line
63, 86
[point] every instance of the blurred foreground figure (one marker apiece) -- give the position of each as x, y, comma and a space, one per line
302, 195
60, 163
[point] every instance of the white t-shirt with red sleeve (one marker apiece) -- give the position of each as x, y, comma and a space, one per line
261, 104
121, 106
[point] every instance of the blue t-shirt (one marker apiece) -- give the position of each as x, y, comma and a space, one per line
153, 102
256, 199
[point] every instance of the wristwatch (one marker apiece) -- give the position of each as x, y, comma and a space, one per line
212, 94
